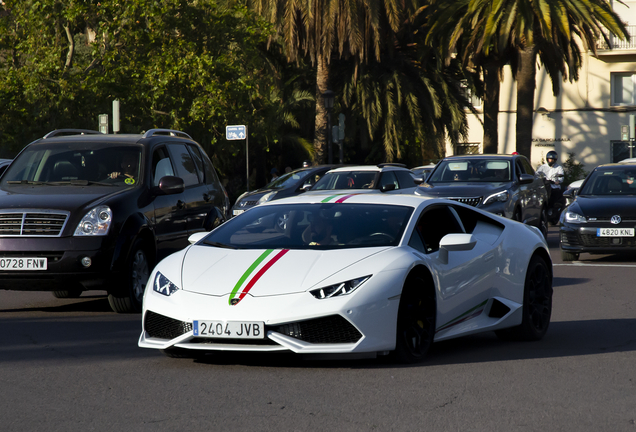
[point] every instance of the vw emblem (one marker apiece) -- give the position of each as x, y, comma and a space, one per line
615, 219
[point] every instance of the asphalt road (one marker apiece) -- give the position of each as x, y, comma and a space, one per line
72, 365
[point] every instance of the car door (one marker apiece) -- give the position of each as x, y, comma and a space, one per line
523, 194
197, 201
537, 194
465, 279
171, 230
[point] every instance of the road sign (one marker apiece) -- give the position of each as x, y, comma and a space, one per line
235, 132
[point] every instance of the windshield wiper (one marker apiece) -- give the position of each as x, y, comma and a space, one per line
30, 182
77, 183
219, 245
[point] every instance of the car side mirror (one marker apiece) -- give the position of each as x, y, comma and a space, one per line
526, 179
194, 238
418, 180
306, 187
388, 187
570, 193
170, 185
455, 242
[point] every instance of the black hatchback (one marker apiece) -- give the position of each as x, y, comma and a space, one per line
80, 210
602, 217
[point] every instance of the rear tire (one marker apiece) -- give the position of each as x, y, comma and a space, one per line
569, 256
134, 281
537, 304
415, 321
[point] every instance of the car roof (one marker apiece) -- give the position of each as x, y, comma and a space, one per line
371, 168
355, 198
619, 165
483, 156
86, 136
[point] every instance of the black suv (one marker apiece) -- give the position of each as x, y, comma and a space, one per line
505, 185
80, 210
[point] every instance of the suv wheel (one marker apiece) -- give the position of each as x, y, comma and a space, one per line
134, 281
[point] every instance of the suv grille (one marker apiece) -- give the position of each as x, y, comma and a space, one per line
35, 223
472, 201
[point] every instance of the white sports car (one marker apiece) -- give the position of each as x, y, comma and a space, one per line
359, 274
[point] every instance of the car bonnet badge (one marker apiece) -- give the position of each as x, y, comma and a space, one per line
616, 219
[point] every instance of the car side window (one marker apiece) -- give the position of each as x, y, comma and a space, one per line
434, 224
405, 179
527, 166
388, 178
198, 161
211, 177
184, 164
161, 165
519, 168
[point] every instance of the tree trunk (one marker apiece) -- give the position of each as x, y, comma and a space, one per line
320, 135
525, 100
491, 109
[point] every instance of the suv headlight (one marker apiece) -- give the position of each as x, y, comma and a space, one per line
499, 196
339, 289
576, 218
96, 222
163, 285
266, 197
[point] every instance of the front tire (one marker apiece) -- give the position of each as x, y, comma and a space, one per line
134, 281
415, 321
537, 304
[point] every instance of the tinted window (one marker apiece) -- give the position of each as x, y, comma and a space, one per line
527, 166
618, 181
388, 178
347, 180
210, 174
198, 161
405, 179
184, 164
433, 225
161, 165
314, 226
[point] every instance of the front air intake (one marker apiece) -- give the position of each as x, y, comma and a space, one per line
325, 330
163, 327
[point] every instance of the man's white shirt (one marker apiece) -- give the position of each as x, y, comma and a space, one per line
554, 173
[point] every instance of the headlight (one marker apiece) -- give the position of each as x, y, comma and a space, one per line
238, 200
162, 285
266, 197
572, 217
96, 222
343, 288
500, 196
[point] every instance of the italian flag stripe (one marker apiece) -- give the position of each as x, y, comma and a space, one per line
261, 272
471, 313
248, 272
328, 198
345, 198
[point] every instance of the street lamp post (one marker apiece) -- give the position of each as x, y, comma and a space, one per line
328, 98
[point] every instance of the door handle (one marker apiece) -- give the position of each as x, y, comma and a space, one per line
180, 205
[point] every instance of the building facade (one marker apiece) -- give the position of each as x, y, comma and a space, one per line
590, 117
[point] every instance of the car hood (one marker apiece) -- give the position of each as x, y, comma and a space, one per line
604, 206
67, 198
218, 272
440, 190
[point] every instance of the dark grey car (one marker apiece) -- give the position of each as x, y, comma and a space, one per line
505, 185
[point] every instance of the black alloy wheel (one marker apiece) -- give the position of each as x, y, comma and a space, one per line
134, 280
415, 321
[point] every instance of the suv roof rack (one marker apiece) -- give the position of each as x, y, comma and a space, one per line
389, 164
153, 132
57, 132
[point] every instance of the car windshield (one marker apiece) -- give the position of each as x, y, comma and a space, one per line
313, 226
287, 180
346, 180
617, 181
76, 164
471, 170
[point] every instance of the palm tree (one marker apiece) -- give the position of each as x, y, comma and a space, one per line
324, 29
486, 32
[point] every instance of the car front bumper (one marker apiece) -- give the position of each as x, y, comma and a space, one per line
64, 269
576, 238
